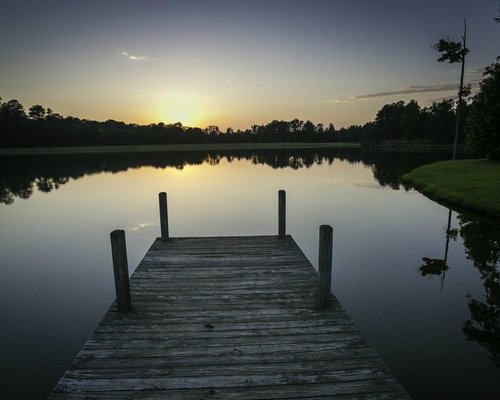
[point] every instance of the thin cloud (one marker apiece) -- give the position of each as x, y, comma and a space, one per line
142, 226
474, 86
417, 89
133, 58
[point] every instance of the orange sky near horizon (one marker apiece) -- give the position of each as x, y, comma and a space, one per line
235, 64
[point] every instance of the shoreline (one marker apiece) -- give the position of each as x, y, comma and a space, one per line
149, 148
25, 151
469, 185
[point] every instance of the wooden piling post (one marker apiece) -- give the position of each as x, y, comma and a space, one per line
281, 214
163, 216
325, 265
120, 269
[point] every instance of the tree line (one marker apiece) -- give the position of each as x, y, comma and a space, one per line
394, 123
399, 121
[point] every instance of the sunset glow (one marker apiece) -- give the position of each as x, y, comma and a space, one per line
183, 107
236, 63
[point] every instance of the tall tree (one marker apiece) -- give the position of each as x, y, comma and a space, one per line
308, 128
483, 122
455, 52
411, 121
37, 112
388, 121
439, 120
12, 109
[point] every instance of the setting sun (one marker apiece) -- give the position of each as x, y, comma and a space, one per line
185, 116
188, 108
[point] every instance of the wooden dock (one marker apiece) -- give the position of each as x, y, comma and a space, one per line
227, 318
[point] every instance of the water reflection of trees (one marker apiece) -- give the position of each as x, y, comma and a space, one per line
20, 176
482, 246
439, 266
389, 166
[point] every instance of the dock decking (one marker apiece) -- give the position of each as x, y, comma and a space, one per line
227, 318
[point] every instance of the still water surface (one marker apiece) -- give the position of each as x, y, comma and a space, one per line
435, 322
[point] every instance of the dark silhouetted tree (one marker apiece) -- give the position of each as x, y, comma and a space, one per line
388, 121
296, 125
37, 112
12, 109
483, 121
411, 121
212, 130
455, 52
439, 121
308, 128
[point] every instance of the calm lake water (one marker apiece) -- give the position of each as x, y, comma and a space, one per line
436, 323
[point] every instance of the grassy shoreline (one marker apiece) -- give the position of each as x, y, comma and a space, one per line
468, 184
164, 148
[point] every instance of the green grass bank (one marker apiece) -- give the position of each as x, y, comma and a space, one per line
469, 184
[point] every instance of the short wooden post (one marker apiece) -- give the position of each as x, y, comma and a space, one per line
325, 265
120, 269
281, 214
163, 216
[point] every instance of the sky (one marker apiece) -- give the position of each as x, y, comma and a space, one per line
237, 63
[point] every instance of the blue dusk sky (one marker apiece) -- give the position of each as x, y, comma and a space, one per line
237, 63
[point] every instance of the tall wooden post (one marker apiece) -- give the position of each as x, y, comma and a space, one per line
325, 265
281, 214
120, 269
163, 216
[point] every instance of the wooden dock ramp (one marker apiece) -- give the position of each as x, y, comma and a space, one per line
227, 318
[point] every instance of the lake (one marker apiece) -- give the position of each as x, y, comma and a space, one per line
423, 285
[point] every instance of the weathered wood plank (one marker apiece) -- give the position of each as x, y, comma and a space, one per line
225, 326
164, 331
221, 381
233, 358
213, 350
227, 318
208, 340
125, 370
378, 389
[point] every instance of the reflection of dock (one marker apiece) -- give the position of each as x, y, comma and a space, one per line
227, 317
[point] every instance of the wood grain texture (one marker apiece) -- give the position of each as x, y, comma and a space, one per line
282, 214
325, 265
162, 197
120, 270
227, 318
